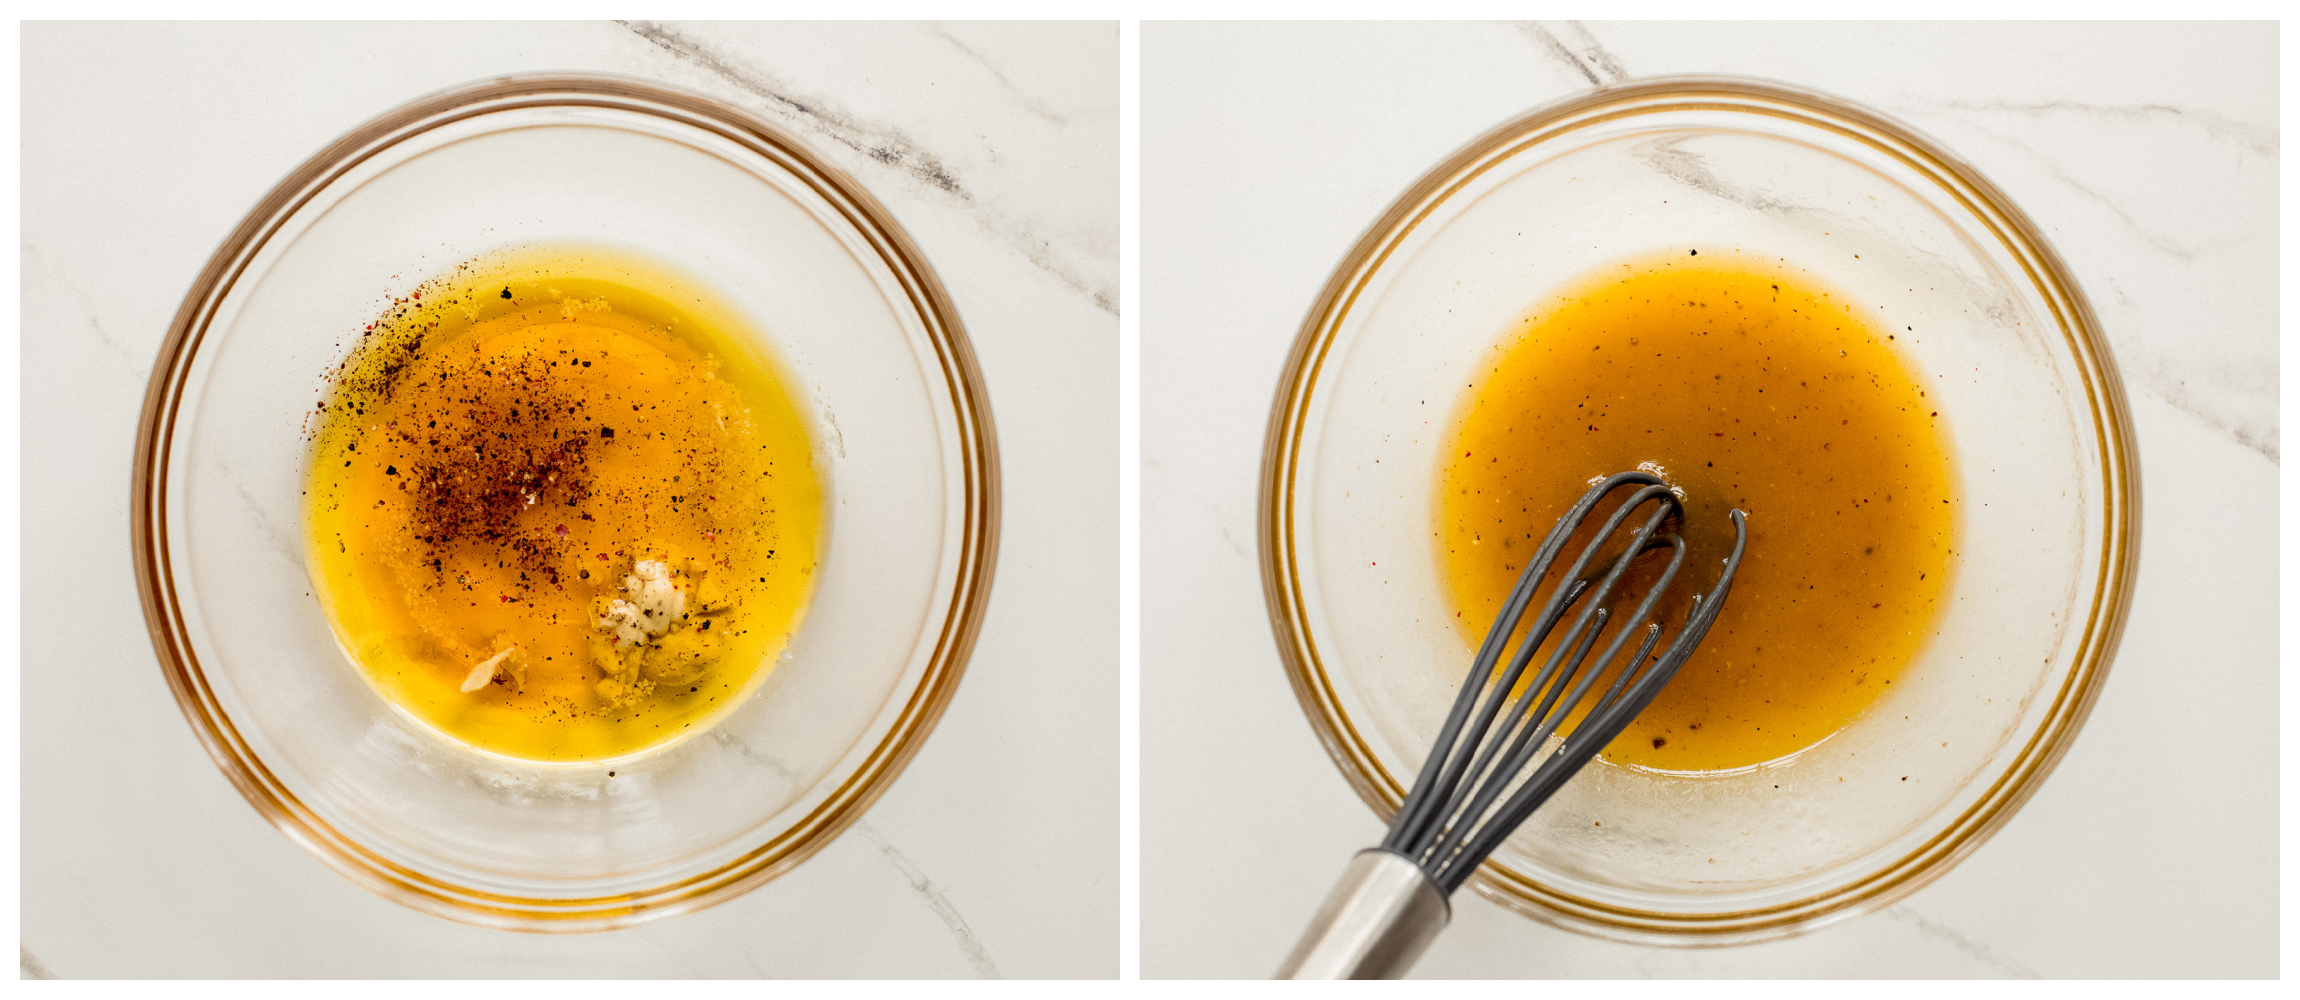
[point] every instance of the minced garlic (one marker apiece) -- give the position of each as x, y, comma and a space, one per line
648, 637
654, 603
484, 672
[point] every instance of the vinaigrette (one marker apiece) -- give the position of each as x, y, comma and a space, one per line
560, 508
1747, 385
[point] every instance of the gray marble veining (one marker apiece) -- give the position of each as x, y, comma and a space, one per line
2257, 138
932, 895
1082, 259
1571, 44
2205, 363
1030, 102
936, 899
31, 966
1975, 950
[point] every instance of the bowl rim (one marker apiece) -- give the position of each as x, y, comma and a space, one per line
2043, 267
922, 708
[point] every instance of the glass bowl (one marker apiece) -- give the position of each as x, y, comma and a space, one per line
785, 241
2041, 449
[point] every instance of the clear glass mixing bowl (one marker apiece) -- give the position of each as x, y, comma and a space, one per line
788, 242
2041, 444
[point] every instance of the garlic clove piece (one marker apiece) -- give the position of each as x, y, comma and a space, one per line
626, 621
484, 671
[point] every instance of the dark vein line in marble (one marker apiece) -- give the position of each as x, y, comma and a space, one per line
33, 969
891, 148
968, 944
1689, 167
2174, 392
27, 256
2167, 385
744, 749
1577, 49
2161, 244
882, 143
1235, 545
1975, 950
1028, 103
936, 900
2158, 378
1692, 169
2248, 137
281, 542
2164, 245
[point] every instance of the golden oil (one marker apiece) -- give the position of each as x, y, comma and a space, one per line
512, 454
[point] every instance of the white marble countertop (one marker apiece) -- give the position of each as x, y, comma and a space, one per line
995, 145
2147, 153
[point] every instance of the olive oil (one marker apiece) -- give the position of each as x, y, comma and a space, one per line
1746, 385
560, 508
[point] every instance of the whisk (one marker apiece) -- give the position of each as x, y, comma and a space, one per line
1392, 900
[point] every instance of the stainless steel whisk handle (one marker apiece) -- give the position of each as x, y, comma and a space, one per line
1376, 922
